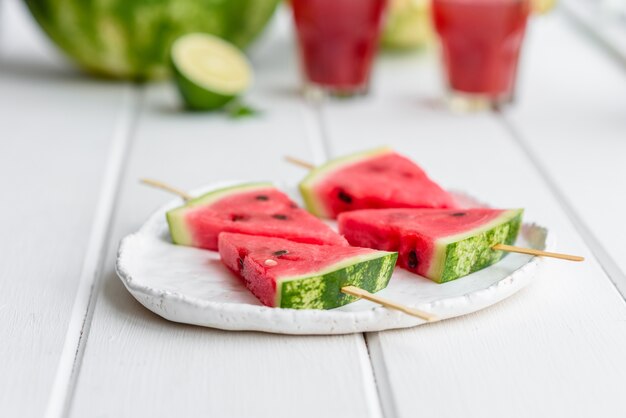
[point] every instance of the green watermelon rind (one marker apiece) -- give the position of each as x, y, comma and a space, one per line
180, 231
459, 255
322, 290
130, 39
307, 186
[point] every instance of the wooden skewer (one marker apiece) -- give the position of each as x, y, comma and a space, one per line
364, 294
350, 290
299, 162
532, 251
163, 186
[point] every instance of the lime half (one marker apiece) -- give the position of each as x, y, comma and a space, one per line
209, 71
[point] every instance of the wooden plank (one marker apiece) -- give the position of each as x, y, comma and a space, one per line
56, 133
553, 349
137, 364
576, 133
602, 22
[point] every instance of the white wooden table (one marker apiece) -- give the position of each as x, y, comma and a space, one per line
74, 343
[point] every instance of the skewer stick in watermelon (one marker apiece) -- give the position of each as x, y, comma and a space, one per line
287, 274
304, 276
168, 188
532, 251
299, 162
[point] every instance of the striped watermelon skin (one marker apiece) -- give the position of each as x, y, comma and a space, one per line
440, 244
131, 39
287, 274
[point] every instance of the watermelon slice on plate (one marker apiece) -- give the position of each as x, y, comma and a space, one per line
440, 244
251, 208
374, 179
288, 274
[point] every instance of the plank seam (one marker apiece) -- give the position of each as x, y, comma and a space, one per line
369, 379
325, 142
315, 134
386, 403
610, 267
319, 140
87, 292
573, 16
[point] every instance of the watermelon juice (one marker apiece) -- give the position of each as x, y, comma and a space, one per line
338, 40
481, 42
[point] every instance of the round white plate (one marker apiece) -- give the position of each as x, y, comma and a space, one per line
192, 286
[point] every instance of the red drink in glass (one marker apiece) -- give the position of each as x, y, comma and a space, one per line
481, 42
338, 40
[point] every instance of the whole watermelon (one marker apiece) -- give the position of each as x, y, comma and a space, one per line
131, 38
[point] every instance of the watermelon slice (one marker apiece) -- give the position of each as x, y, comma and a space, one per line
379, 178
288, 274
255, 209
440, 244
131, 38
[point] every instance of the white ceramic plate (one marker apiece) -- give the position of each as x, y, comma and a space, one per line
192, 286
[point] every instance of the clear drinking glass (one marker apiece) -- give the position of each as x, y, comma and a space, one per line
481, 42
338, 40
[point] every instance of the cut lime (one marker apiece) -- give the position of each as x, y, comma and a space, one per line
209, 71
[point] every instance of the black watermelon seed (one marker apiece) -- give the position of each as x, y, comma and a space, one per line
280, 252
237, 217
344, 196
457, 214
280, 216
412, 261
240, 262
262, 197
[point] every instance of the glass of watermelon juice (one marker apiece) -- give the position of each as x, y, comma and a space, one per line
481, 42
338, 40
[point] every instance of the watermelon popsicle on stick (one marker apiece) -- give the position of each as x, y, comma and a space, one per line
379, 178
440, 244
287, 274
250, 208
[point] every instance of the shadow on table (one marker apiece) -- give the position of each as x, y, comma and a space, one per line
33, 68
115, 295
120, 307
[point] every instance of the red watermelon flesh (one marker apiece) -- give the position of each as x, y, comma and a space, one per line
441, 244
255, 209
289, 274
374, 179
